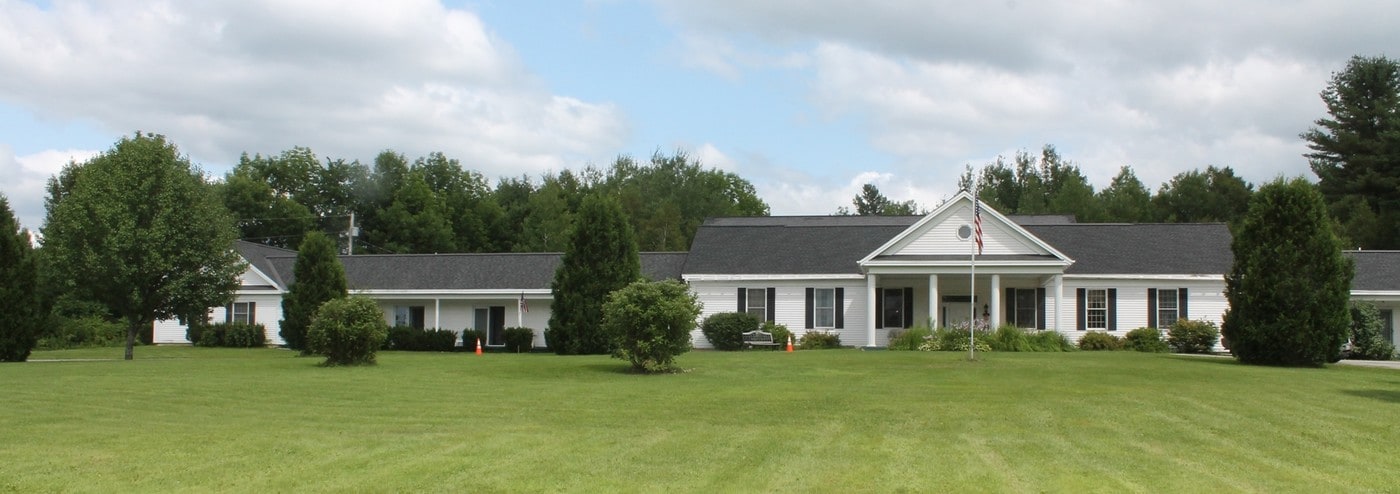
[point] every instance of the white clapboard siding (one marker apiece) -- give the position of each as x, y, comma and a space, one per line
940, 238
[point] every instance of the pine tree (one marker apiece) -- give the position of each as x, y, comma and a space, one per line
318, 278
19, 301
601, 257
1290, 283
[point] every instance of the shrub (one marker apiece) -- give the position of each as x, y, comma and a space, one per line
955, 339
519, 339
650, 322
1187, 336
780, 332
319, 277
401, 338
470, 337
347, 331
1009, 339
1367, 341
725, 330
910, 340
1050, 341
86, 331
1145, 340
1098, 340
231, 334
408, 338
820, 340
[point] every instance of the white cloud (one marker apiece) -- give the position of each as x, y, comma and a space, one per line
23, 180
346, 79
710, 156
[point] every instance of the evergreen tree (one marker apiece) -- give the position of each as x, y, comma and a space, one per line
1356, 152
601, 257
19, 291
1289, 286
318, 277
1126, 199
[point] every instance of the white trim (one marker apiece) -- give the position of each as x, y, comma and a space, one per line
1148, 277
947, 206
769, 277
474, 293
1378, 295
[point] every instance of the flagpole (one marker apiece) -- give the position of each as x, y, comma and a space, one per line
972, 278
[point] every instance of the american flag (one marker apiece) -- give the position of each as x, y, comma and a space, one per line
977, 221
523, 306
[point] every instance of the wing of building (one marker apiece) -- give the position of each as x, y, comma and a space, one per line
862, 277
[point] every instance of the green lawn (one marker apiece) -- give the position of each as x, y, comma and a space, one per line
194, 419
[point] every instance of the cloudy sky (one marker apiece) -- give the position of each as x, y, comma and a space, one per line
807, 99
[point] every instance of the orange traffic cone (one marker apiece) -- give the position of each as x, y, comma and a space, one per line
789, 348
478, 346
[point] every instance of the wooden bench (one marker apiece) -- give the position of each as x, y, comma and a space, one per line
759, 338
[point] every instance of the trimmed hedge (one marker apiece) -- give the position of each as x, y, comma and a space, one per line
230, 335
1098, 340
780, 333
1187, 336
725, 330
470, 337
411, 339
518, 339
347, 331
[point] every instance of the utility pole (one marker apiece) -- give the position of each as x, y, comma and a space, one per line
351, 233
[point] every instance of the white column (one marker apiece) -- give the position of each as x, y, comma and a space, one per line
994, 312
1059, 291
933, 301
437, 313
870, 310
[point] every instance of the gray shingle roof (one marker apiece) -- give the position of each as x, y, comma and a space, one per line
834, 244
1376, 269
510, 271
1157, 248
258, 254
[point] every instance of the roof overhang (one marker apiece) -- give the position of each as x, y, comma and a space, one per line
770, 277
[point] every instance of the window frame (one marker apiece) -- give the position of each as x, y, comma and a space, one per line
1168, 308
1033, 307
248, 316
1091, 312
887, 307
761, 306
818, 311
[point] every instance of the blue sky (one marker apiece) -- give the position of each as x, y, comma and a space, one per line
806, 99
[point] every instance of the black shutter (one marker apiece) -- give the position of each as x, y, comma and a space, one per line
879, 307
252, 306
1010, 303
1113, 309
1040, 308
772, 303
809, 308
908, 307
1079, 307
1151, 307
1181, 304
743, 300
840, 308
228, 313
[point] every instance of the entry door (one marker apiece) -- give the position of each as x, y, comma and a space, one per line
493, 320
955, 310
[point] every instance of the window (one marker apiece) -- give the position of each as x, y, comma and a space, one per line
240, 312
824, 307
757, 303
1167, 308
409, 315
1388, 325
1027, 308
1096, 309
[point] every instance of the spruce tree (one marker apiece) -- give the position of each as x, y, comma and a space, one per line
318, 278
19, 301
601, 257
1290, 283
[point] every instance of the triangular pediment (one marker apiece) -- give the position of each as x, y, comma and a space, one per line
937, 236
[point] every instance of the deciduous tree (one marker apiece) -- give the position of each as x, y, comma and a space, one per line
139, 230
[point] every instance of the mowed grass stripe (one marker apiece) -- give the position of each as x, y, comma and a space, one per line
825, 421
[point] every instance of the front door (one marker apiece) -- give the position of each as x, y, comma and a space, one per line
955, 310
